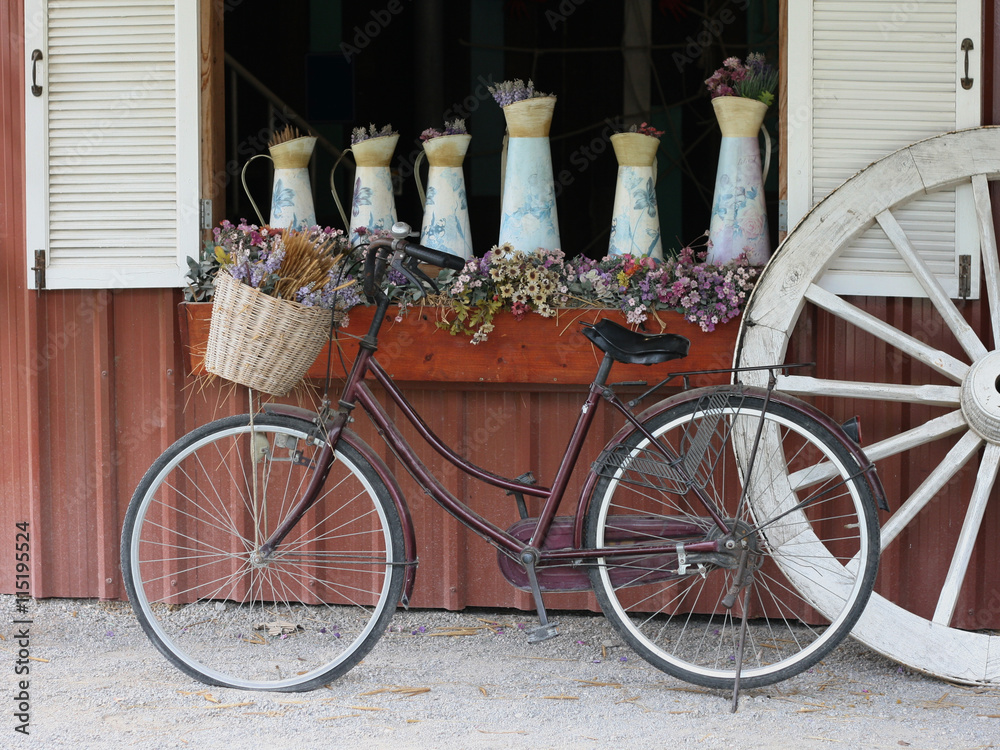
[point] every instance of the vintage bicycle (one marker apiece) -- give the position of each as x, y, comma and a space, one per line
729, 533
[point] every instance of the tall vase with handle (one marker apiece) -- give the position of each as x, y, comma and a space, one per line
528, 218
446, 208
635, 223
373, 205
739, 216
291, 196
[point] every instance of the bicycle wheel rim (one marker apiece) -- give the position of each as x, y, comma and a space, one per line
293, 623
786, 633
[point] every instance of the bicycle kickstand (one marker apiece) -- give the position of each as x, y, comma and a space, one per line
545, 629
728, 601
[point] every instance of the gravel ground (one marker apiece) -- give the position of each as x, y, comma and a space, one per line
95, 681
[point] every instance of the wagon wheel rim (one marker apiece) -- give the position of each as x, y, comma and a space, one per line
964, 391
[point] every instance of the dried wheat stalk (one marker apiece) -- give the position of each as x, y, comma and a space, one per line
307, 263
287, 134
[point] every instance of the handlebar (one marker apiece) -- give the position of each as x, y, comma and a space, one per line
377, 259
434, 257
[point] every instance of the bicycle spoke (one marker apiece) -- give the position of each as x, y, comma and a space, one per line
318, 602
811, 532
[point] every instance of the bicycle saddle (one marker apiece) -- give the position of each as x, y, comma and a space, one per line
632, 347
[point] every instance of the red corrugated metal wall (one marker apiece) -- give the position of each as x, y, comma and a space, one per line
92, 390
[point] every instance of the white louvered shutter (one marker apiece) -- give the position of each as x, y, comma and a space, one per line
866, 78
112, 141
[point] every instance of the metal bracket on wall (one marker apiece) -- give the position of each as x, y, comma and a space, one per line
39, 269
964, 276
205, 206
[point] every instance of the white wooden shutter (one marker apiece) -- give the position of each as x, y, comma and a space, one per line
866, 78
112, 142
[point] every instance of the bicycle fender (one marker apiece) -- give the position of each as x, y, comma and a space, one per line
398, 498
863, 462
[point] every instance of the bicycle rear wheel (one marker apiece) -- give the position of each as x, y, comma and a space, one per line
811, 524
292, 621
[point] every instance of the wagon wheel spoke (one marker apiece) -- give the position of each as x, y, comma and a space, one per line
988, 244
953, 426
967, 539
957, 457
939, 360
928, 432
939, 395
952, 317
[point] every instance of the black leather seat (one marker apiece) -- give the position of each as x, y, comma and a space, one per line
625, 345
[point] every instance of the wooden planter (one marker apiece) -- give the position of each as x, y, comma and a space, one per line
533, 350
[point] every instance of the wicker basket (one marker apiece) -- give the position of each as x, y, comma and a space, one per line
262, 342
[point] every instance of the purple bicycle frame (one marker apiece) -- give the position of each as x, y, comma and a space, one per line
357, 391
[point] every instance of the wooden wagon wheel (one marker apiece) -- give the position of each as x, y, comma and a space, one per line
962, 387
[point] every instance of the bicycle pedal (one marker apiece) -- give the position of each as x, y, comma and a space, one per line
543, 632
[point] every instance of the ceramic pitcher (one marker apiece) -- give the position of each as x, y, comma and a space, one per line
528, 218
635, 223
445, 225
373, 205
291, 195
739, 216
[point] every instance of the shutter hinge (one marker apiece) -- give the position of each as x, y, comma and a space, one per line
205, 205
39, 269
964, 276
782, 216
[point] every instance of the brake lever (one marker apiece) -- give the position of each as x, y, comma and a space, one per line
399, 266
411, 263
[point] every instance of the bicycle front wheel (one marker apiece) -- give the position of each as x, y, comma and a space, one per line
810, 526
229, 616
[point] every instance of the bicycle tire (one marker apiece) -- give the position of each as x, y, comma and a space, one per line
293, 622
679, 623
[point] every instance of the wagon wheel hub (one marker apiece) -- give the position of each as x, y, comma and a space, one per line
981, 397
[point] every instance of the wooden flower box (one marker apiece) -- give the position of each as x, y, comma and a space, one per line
533, 350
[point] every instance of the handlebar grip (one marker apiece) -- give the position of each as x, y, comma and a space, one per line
434, 257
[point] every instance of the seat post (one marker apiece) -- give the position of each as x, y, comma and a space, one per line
601, 379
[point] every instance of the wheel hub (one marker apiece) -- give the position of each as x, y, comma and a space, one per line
741, 537
257, 560
981, 397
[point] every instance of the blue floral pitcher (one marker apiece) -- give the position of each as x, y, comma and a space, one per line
373, 205
291, 197
528, 218
446, 208
739, 216
635, 223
